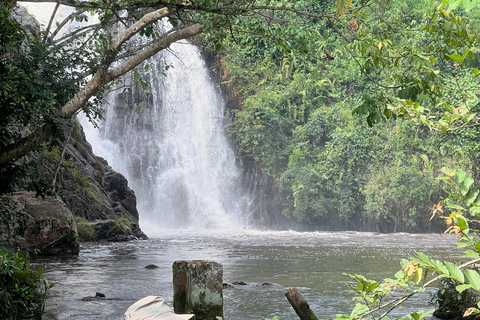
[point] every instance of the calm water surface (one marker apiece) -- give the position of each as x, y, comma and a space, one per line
313, 262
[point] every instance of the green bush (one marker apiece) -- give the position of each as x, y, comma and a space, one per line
449, 302
22, 289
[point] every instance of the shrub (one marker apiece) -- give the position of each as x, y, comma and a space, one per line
22, 288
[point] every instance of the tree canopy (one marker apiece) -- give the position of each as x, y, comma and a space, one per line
307, 119
302, 66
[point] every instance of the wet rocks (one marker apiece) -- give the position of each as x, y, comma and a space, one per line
45, 225
98, 297
227, 286
151, 266
243, 283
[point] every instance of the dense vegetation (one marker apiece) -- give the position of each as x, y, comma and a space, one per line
22, 288
308, 105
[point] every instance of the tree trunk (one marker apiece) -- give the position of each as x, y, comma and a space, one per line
300, 305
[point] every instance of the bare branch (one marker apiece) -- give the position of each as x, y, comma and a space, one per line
63, 23
156, 47
54, 13
78, 33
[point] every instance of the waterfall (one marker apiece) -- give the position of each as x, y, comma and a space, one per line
170, 142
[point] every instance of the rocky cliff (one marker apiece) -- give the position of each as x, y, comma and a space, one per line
100, 199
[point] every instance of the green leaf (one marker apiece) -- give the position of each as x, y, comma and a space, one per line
454, 5
465, 242
440, 267
455, 57
473, 279
459, 176
359, 309
463, 287
466, 184
471, 195
424, 259
475, 210
475, 71
455, 206
472, 254
462, 223
455, 272
418, 275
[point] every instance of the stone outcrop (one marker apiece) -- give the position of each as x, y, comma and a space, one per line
45, 225
102, 204
99, 197
27, 21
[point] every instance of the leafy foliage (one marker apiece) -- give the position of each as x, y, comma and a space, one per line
37, 79
379, 61
22, 289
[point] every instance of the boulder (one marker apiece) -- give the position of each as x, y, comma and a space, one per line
44, 225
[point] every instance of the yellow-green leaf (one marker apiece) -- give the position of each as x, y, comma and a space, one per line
418, 275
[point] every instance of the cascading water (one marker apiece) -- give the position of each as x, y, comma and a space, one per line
170, 142
172, 145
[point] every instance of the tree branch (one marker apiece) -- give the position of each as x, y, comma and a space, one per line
101, 77
54, 13
157, 46
26, 144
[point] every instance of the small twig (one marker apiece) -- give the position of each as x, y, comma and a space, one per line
54, 182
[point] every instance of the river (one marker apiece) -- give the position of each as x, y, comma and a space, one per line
313, 262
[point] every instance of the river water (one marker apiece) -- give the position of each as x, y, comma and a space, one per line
312, 262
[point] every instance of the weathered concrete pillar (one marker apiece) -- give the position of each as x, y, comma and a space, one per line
197, 288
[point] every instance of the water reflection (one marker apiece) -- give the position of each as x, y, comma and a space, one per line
313, 262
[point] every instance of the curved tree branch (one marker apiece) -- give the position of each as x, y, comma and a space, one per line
102, 76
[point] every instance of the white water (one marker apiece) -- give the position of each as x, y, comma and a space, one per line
172, 146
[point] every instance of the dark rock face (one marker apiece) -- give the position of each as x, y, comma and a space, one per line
97, 193
102, 204
99, 197
45, 225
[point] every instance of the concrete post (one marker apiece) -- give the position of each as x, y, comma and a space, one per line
197, 288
